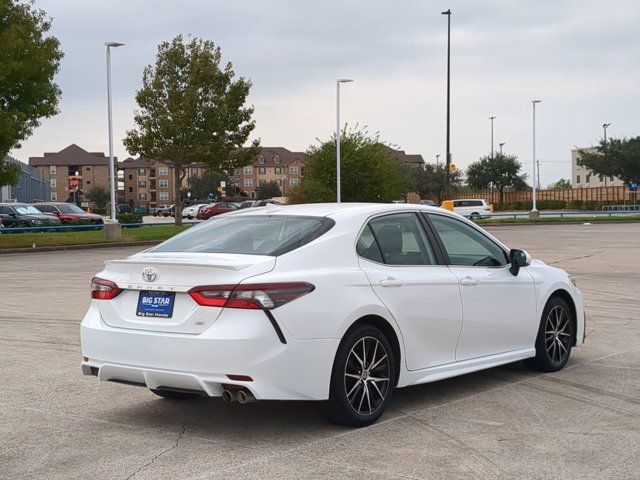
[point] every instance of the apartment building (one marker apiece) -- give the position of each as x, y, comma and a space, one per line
91, 169
272, 164
582, 177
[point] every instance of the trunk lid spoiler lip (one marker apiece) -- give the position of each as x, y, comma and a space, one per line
207, 260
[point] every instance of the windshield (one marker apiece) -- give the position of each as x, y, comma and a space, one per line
69, 208
251, 235
27, 210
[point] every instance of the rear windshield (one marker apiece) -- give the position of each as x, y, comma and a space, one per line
253, 235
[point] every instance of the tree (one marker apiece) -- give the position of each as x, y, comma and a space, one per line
500, 171
192, 110
429, 181
202, 185
98, 195
28, 62
619, 157
269, 190
562, 184
369, 172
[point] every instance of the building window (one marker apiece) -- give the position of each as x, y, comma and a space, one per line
248, 170
261, 159
52, 169
130, 189
611, 178
262, 182
53, 183
276, 159
252, 194
88, 169
601, 178
143, 196
279, 182
293, 170
163, 183
262, 171
248, 182
236, 171
163, 171
588, 177
577, 178
142, 184
142, 172
54, 197
164, 195
88, 182
294, 181
130, 177
277, 170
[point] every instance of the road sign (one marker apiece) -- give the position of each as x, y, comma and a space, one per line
634, 185
223, 183
74, 183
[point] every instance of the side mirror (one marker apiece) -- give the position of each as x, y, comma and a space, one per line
518, 259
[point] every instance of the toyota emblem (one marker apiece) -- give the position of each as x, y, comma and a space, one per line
150, 274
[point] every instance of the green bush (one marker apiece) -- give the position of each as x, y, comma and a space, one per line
99, 211
527, 205
129, 218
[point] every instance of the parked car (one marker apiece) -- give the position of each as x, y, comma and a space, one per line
25, 215
191, 211
472, 208
214, 209
68, 213
141, 210
262, 203
337, 302
165, 211
429, 203
246, 204
124, 208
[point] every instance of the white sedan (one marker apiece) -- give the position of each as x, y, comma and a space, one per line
325, 302
191, 211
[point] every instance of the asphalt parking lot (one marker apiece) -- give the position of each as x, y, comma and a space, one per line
508, 422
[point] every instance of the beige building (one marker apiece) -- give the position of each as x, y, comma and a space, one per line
582, 177
91, 169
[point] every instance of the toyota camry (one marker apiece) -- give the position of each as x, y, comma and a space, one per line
335, 302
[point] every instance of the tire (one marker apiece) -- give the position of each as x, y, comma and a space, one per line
475, 215
555, 337
349, 403
173, 395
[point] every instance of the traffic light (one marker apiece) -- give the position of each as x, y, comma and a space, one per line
452, 168
219, 189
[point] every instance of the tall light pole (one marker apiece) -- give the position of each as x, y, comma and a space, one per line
604, 127
501, 145
112, 170
338, 82
492, 119
437, 161
534, 210
448, 158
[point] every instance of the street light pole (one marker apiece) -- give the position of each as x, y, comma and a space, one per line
112, 170
437, 161
501, 145
492, 119
604, 127
448, 158
338, 82
534, 210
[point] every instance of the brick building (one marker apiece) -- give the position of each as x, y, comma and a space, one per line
91, 168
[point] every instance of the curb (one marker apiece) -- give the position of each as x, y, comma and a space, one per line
88, 246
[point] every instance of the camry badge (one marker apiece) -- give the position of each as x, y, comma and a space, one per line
150, 274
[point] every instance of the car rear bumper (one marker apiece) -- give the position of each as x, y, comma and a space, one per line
240, 342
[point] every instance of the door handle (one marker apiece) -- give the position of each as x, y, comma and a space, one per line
391, 282
469, 281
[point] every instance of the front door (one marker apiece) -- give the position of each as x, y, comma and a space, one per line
422, 295
499, 308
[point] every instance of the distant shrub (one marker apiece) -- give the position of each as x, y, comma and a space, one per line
129, 218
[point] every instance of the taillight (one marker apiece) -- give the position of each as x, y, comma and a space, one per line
265, 296
104, 289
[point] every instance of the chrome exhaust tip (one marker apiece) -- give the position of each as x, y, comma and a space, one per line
245, 396
228, 396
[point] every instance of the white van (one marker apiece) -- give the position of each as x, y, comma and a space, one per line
472, 208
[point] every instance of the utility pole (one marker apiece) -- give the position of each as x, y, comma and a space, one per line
538, 165
534, 215
604, 127
501, 145
448, 158
492, 119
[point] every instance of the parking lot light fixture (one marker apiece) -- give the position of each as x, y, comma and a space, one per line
534, 210
112, 170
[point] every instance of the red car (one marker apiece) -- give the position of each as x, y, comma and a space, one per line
68, 213
215, 209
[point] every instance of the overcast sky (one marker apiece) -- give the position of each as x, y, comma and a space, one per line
582, 58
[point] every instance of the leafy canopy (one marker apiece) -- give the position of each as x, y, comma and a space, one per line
429, 181
192, 109
269, 190
562, 184
201, 186
369, 172
99, 196
29, 59
500, 171
619, 157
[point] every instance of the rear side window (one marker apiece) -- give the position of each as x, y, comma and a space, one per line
475, 203
367, 246
251, 235
402, 240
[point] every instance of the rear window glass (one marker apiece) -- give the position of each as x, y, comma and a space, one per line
251, 235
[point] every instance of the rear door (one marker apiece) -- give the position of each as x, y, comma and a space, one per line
422, 294
499, 308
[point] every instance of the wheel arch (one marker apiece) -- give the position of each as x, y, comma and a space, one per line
387, 329
566, 296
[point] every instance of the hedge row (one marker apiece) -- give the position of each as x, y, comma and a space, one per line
554, 205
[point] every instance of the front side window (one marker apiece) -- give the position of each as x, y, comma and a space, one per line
69, 208
401, 240
464, 245
249, 235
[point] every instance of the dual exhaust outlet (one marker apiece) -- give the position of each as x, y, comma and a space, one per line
242, 396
